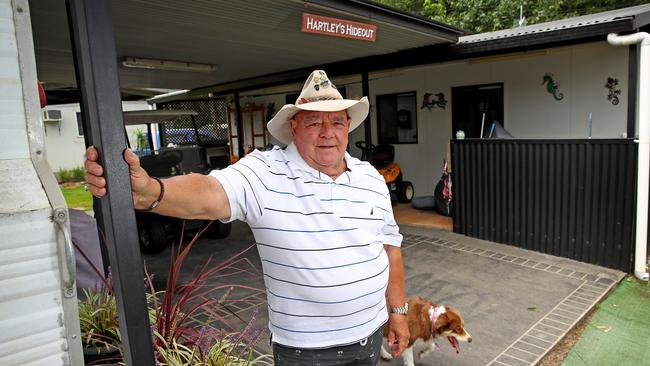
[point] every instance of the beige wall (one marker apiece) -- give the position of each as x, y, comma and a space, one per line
529, 111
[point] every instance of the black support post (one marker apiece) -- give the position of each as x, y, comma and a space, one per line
240, 126
365, 87
633, 82
93, 44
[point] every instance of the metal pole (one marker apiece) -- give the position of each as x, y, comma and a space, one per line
240, 126
93, 44
643, 166
365, 87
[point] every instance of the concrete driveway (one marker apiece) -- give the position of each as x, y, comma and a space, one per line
517, 304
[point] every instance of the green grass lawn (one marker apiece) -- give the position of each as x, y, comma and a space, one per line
78, 197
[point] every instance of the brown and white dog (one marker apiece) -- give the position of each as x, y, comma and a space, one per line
428, 321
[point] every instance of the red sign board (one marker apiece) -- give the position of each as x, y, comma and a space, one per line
338, 27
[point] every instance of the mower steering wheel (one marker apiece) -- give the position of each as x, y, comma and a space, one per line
362, 145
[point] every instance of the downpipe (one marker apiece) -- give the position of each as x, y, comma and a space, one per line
643, 167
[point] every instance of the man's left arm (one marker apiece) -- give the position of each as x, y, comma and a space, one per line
397, 323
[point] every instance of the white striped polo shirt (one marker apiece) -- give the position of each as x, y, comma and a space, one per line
320, 242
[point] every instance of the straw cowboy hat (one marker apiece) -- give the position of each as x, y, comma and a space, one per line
318, 94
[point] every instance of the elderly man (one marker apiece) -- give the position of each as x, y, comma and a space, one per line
323, 224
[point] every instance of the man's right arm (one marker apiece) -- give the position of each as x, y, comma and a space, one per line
193, 196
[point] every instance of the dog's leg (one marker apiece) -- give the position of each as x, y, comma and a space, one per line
429, 347
407, 356
385, 355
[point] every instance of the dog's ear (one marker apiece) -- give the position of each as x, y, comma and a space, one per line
442, 323
455, 322
448, 322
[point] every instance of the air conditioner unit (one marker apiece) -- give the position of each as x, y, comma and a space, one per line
52, 115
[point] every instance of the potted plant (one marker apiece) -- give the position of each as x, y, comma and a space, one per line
189, 321
98, 322
100, 329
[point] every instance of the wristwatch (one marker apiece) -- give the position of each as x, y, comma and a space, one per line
403, 310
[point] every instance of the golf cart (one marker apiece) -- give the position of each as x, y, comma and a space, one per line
382, 157
169, 143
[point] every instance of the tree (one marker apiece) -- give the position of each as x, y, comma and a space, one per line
490, 15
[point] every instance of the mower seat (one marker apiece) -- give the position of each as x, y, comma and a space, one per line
382, 155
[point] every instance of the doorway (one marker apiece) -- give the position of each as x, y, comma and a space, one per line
470, 103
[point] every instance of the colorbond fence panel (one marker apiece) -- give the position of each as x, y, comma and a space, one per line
570, 198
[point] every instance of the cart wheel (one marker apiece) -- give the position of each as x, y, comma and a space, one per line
218, 230
152, 235
405, 192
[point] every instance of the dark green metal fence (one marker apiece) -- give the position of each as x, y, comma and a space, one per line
569, 198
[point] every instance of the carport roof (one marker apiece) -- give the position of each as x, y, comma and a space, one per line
244, 39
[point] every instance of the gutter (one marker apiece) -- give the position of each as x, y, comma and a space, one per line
643, 167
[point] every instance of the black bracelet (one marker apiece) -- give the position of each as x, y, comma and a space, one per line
160, 197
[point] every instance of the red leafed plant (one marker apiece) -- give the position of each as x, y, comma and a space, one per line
195, 315
191, 323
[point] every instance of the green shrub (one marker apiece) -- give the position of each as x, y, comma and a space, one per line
63, 175
140, 140
78, 174
75, 174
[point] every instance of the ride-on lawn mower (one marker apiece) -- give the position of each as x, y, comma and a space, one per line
382, 157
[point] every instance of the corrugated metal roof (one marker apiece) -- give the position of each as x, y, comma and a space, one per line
577, 22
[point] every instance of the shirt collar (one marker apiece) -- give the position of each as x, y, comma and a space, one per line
293, 156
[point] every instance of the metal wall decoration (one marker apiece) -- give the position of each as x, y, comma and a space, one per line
614, 91
552, 86
429, 101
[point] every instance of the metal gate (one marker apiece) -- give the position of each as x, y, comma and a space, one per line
569, 198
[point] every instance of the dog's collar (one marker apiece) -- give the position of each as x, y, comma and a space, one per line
437, 311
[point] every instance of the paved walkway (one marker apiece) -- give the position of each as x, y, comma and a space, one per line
517, 304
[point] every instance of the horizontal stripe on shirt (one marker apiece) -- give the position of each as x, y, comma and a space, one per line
383, 308
328, 285
314, 249
326, 315
323, 268
381, 289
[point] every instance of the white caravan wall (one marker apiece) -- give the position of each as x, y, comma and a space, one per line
13, 135
65, 148
39, 323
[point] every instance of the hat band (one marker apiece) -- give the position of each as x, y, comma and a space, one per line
304, 100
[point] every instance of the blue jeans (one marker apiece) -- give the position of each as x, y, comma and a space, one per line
364, 353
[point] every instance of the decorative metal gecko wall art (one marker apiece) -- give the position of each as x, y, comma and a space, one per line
429, 102
552, 86
614, 91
